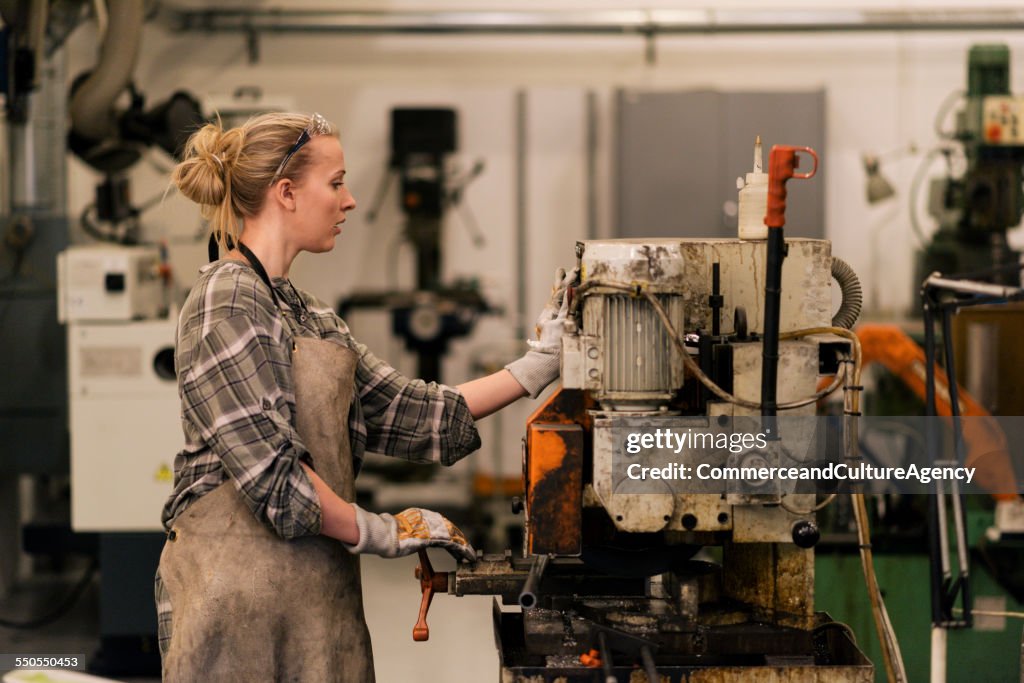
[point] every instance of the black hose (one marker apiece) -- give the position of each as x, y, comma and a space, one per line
931, 439
958, 444
853, 296
776, 248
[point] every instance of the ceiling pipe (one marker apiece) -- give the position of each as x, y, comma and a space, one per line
594, 22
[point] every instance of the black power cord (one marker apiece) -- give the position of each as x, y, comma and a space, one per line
62, 608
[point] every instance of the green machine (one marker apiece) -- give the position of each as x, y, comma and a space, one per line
975, 210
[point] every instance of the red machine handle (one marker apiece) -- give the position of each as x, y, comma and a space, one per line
782, 163
430, 582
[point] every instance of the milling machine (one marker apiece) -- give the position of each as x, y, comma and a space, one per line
976, 208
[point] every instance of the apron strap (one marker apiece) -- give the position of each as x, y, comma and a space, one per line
213, 251
257, 265
212, 248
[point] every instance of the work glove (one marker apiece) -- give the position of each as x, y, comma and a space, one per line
408, 532
539, 367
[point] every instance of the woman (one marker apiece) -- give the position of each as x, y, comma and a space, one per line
259, 579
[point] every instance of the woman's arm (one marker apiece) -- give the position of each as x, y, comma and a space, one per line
338, 518
489, 394
411, 419
386, 535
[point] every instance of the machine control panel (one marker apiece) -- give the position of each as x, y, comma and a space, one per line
110, 283
1003, 120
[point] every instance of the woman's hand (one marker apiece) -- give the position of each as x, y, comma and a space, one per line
408, 532
539, 367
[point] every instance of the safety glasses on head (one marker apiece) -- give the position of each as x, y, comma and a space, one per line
318, 125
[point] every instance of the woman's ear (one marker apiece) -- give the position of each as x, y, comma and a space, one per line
283, 192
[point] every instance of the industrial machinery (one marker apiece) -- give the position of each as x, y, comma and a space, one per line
124, 431
111, 138
976, 564
430, 316
976, 208
122, 386
673, 334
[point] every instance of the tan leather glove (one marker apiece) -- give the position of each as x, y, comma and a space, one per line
408, 532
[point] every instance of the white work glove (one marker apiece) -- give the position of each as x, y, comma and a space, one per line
408, 532
539, 367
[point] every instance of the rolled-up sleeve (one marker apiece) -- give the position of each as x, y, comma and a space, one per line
411, 419
233, 397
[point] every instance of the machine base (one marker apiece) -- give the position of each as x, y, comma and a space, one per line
731, 653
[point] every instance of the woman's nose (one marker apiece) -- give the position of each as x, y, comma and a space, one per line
348, 202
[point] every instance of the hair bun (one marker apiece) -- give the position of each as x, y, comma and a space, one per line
201, 176
204, 174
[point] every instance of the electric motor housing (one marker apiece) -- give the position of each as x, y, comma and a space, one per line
625, 356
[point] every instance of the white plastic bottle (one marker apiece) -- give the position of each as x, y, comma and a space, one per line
753, 200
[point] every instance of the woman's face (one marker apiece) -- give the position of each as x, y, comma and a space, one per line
322, 198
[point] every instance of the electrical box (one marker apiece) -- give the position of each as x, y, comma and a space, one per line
109, 283
125, 419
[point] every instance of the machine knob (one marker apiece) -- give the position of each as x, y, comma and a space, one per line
517, 505
163, 364
425, 322
806, 534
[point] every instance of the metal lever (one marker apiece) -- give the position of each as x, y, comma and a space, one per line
606, 658
430, 582
649, 666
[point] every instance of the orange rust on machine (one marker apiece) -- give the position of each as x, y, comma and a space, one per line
553, 469
565, 406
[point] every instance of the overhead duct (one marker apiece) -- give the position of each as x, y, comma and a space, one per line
109, 138
92, 105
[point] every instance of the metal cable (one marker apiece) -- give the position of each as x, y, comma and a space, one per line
795, 511
692, 366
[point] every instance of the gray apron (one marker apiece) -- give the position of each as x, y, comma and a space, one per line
250, 606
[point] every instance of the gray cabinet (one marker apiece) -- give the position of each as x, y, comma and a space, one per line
677, 156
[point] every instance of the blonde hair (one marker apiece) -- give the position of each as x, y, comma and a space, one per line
228, 172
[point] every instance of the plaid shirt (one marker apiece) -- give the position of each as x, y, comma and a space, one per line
238, 403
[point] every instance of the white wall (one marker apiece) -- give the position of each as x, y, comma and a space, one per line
883, 91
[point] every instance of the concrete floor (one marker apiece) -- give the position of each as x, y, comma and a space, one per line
461, 645
460, 649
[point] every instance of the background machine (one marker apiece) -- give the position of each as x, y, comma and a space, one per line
428, 317
123, 414
976, 208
